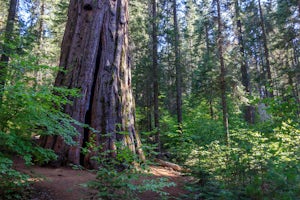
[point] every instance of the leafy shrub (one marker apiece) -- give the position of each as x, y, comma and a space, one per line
12, 182
182, 144
255, 166
118, 177
283, 108
29, 110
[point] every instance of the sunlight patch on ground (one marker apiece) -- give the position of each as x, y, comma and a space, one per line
160, 171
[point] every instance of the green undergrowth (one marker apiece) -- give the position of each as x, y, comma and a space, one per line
28, 110
261, 162
124, 176
256, 165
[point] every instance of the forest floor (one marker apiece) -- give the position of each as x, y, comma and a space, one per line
64, 183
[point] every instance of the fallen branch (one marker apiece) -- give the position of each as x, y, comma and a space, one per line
170, 165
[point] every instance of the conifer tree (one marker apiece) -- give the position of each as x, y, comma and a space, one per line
95, 59
10, 22
222, 73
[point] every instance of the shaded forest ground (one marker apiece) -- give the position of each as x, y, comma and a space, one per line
64, 183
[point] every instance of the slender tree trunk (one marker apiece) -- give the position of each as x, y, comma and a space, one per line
222, 74
178, 67
155, 74
13, 5
38, 74
41, 22
149, 105
266, 51
249, 110
208, 57
95, 60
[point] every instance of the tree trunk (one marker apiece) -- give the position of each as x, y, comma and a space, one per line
249, 110
95, 59
38, 74
149, 103
222, 74
266, 51
13, 4
211, 109
41, 22
155, 74
177, 67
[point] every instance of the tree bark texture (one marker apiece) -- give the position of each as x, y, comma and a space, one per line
222, 74
155, 73
13, 4
95, 59
177, 67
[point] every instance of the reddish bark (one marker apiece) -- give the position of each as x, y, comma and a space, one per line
95, 60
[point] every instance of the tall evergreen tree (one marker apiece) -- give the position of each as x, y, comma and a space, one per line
267, 65
178, 66
12, 12
222, 72
155, 73
142, 62
249, 110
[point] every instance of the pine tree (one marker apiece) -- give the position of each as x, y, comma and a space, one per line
222, 73
249, 110
269, 93
178, 67
155, 73
12, 12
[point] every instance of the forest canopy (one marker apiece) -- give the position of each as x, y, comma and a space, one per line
211, 85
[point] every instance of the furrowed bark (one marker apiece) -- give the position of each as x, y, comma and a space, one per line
95, 58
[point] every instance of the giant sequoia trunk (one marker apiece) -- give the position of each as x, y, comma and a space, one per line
95, 60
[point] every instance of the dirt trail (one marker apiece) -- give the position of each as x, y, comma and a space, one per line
64, 183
